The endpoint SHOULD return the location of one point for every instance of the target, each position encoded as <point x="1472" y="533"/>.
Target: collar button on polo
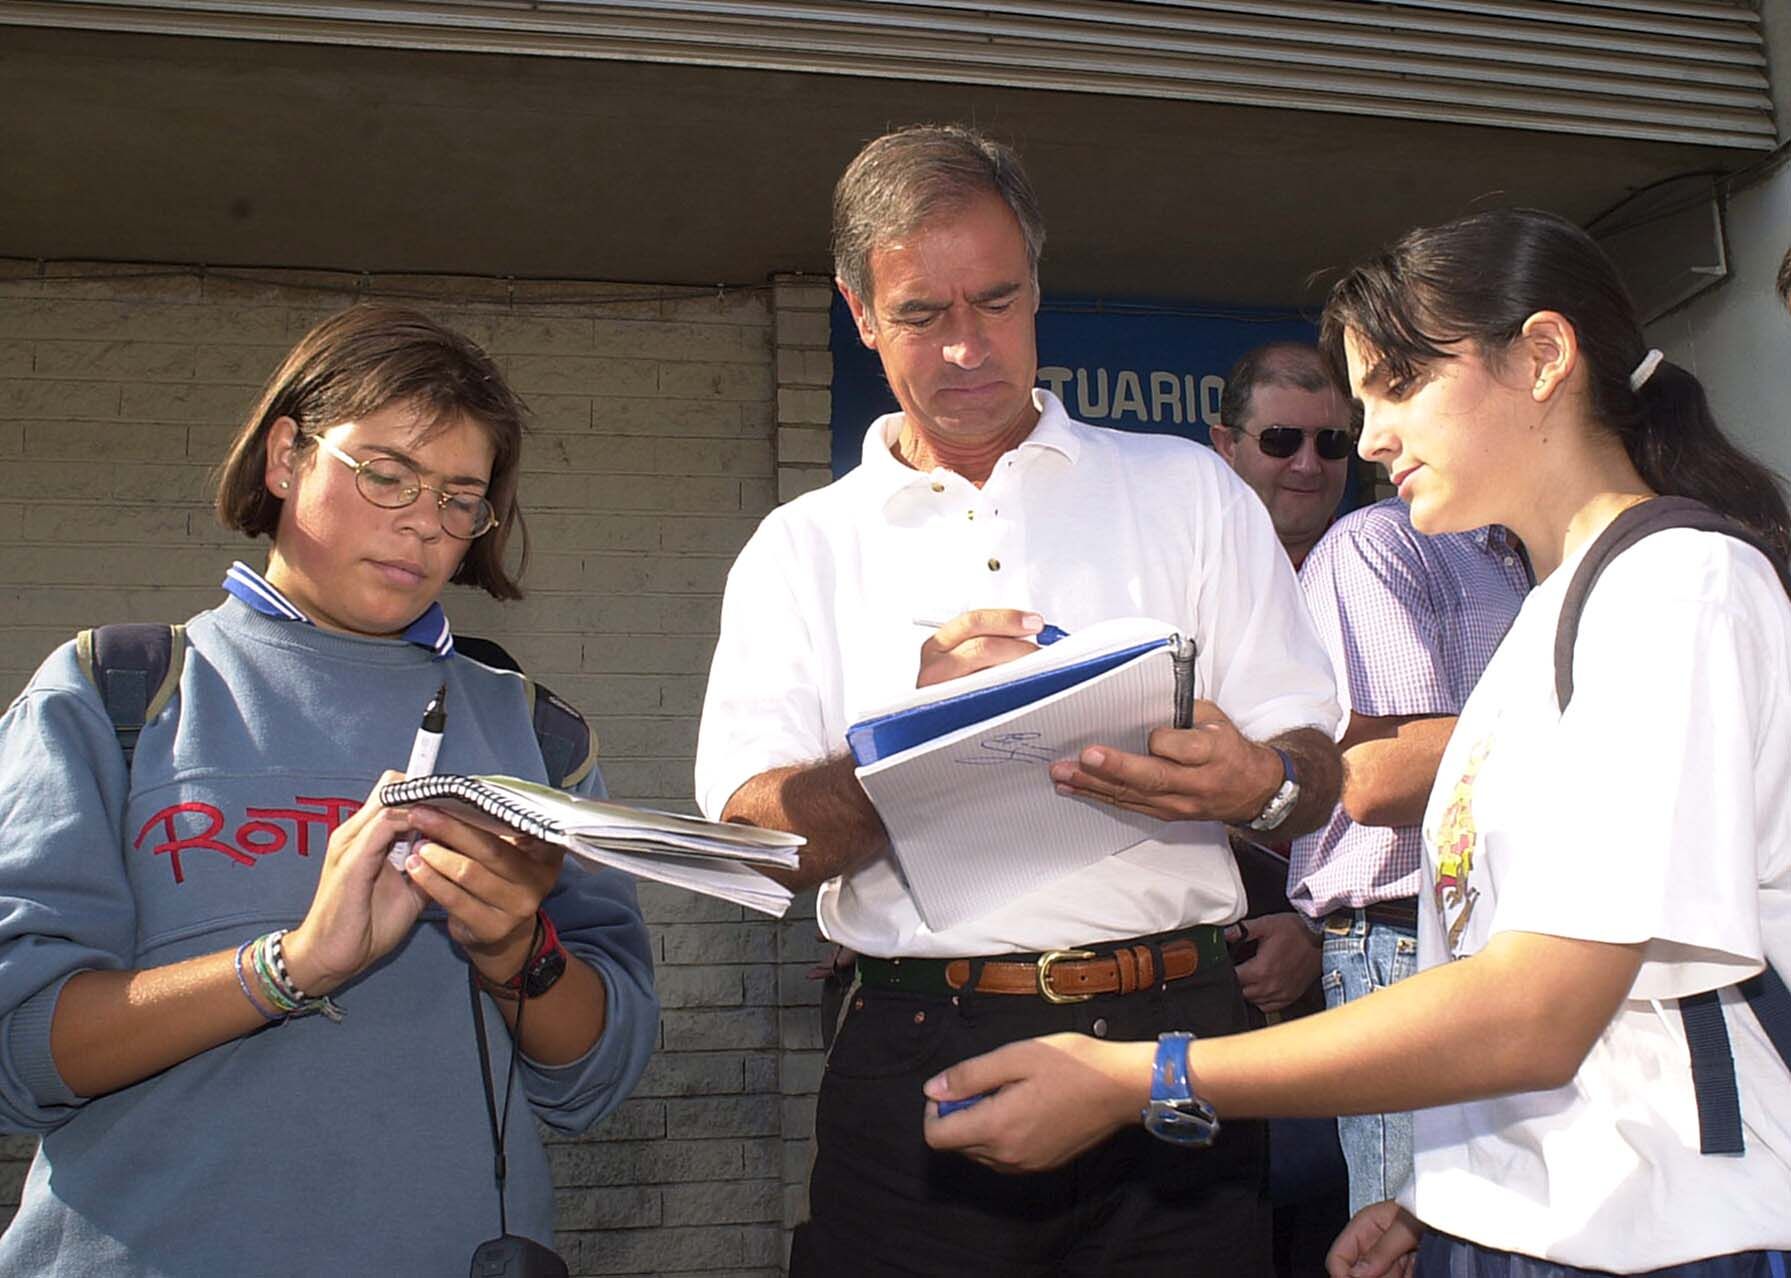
<point x="994" y="565"/>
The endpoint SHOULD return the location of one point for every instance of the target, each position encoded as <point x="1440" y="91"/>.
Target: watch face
<point x="1182" y="1122"/>
<point x="543" y="972"/>
<point x="1275" y="811"/>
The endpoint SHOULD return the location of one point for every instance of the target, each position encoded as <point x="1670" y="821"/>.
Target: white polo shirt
<point x="1079" y="524"/>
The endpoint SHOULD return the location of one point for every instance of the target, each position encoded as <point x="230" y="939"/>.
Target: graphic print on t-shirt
<point x="304" y="823"/>
<point x="1456" y="841"/>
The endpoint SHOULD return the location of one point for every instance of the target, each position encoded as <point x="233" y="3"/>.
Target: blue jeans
<point x="1353" y="964"/>
<point x="1442" y="1256"/>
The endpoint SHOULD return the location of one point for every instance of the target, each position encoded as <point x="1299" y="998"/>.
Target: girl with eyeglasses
<point x="243" y="1031"/>
<point x="1608" y="867"/>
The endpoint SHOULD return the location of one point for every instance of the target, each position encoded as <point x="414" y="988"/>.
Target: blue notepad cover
<point x="878" y="738"/>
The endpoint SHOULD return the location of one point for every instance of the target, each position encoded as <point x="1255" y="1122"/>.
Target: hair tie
<point x="1639" y="376"/>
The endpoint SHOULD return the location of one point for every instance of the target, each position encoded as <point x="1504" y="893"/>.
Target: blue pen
<point x="953" y="1106"/>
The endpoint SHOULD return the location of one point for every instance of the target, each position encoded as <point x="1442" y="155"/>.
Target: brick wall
<point x="656" y="452"/>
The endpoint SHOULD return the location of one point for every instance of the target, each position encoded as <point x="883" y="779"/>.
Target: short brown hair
<point x="357" y="362"/>
<point x="904" y="179"/>
<point x="1300" y="365"/>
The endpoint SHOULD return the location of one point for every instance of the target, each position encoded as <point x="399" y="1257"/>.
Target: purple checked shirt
<point x="1410" y="622"/>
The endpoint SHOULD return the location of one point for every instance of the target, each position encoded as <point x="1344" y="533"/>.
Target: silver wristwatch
<point x="1280" y="803"/>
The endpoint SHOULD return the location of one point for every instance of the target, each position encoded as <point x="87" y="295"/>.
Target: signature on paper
<point x="1008" y="747"/>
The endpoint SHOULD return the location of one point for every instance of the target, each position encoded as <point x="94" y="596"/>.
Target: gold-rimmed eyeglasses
<point x="393" y="485"/>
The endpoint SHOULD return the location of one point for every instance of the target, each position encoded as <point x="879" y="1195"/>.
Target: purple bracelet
<point x="243" y="981"/>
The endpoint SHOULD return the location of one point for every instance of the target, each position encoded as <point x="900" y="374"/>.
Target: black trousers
<point x="883" y="1203"/>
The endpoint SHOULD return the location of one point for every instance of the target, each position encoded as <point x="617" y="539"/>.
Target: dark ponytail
<point x="1678" y="448"/>
<point x="1480" y="278"/>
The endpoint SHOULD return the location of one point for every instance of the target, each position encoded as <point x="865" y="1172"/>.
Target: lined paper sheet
<point x="973" y="816"/>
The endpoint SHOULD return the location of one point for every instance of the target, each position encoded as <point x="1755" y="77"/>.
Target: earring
<point x="285" y="484"/>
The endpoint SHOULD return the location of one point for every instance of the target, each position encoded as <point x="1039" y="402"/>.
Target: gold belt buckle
<point x="1050" y="957"/>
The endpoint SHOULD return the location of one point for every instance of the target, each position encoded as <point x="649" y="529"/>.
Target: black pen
<point x="422" y="760"/>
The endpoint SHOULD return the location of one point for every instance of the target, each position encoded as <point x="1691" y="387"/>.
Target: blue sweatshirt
<point x="304" y="1148"/>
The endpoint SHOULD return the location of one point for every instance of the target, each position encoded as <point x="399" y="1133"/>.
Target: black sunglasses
<point x="1285" y="441"/>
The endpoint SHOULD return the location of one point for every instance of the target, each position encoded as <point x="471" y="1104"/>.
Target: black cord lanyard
<point x="498" y="1126"/>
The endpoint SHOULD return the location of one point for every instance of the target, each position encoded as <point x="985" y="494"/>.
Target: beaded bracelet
<point x="243" y="981"/>
<point x="270" y="986"/>
<point x="272" y="951"/>
<point x="269" y="963"/>
<point x="276" y="957"/>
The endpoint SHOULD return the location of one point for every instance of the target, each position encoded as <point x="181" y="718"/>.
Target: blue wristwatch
<point x="1175" y="1113"/>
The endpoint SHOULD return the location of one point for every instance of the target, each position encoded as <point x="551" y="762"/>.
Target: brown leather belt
<point x="1057" y="976"/>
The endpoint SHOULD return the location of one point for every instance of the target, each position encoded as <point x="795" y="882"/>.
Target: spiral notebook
<point x="718" y="859"/>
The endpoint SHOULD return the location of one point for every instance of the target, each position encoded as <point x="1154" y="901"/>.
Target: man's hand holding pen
<point x="1210" y="772"/>
<point x="978" y="639"/>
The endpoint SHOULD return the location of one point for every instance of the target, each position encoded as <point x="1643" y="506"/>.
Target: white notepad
<point x="715" y="858"/>
<point x="973" y="816"/>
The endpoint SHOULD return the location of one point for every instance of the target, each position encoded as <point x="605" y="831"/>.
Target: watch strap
<point x="1169" y="1071"/>
<point x="1280" y="803"/>
<point x="546" y="944"/>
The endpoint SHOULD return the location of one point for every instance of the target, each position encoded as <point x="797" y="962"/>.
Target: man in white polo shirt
<point x="983" y="503"/>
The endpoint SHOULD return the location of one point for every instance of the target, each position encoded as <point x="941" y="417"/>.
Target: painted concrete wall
<point x="1737" y="337"/>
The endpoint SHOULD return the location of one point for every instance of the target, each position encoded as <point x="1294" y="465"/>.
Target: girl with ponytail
<point x="1490" y="286"/>
<point x="1594" y="873"/>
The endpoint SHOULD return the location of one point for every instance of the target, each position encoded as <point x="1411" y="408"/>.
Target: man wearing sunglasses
<point x="1286" y="430"/>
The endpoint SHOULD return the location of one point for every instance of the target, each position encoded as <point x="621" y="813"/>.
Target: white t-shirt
<point x="1078" y="523"/>
<point x="1656" y="811"/>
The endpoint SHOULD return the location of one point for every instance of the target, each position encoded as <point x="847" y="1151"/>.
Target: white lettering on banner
<point x="1166" y="397"/>
<point x="1128" y="396"/>
<point x="1054" y="378"/>
<point x="1086" y="406"/>
<point x="1212" y="386"/>
<point x="1175" y="398"/>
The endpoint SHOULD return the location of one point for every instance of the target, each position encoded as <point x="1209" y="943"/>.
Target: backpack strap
<point x="1641" y="520"/>
<point x="568" y="746"/>
<point x="1713" y="1064"/>
<point x="1706" y="1033"/>
<point x="1713" y="1073"/>
<point x="487" y="652"/>
<point x="1771" y="1001"/>
<point x="136" y="668"/>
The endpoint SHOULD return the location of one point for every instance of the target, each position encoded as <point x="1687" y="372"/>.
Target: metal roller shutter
<point x="1689" y="71"/>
